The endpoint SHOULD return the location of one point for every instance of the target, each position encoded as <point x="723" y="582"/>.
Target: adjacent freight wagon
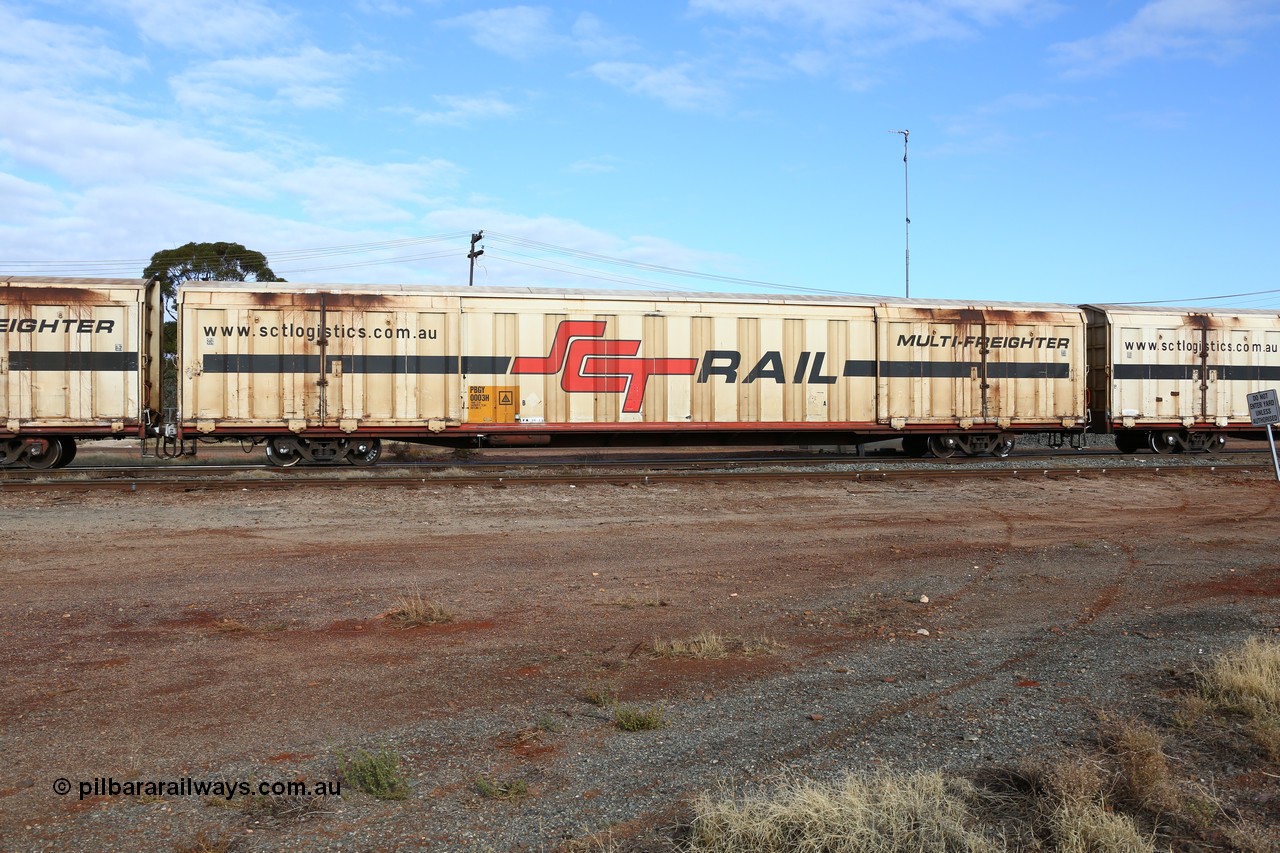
<point x="1172" y="379"/>
<point x="325" y="373"/>
<point x="79" y="358"/>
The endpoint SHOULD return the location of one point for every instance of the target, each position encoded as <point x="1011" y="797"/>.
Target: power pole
<point x="473" y="254"/>
<point x="906" y="204"/>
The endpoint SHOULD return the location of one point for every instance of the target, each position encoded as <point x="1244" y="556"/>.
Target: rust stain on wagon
<point x="1207" y="322"/>
<point x="314" y="301"/>
<point x="29" y="296"/>
<point x="979" y="316"/>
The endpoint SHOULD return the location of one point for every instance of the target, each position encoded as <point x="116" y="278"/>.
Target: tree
<point x="198" y="262"/>
<point x="206" y="262"/>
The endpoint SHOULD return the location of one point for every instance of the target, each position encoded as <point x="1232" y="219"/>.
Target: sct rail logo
<point x="592" y="364"/>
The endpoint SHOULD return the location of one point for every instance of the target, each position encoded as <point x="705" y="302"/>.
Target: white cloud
<point x="591" y="36"/>
<point x="384" y="7"/>
<point x="985" y="128"/>
<point x="841" y="40"/>
<point x="36" y="54"/>
<point x="339" y="190"/>
<point x="207" y="26"/>
<point x="84" y="145"/>
<point x="879" y="24"/>
<point x="463" y="109"/>
<point x="1214" y="30"/>
<point x="522" y="32"/>
<point x="307" y="78"/>
<point x="674" y="85"/>
<point x="519" y="32"/>
<point x="24" y="199"/>
<point x="518" y="268"/>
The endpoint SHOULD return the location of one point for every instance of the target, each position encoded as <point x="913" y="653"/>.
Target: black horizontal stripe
<point x="859" y="368"/>
<point x="1228" y="372"/>
<point x="407" y="365"/>
<point x="967" y="369"/>
<point x="59" y="360"/>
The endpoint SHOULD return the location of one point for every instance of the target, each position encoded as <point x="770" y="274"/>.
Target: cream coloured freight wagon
<point x="325" y="372"/>
<point x="79" y="358"/>
<point x="1174" y="379"/>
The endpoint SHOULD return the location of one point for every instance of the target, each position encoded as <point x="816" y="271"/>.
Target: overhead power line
<point x="1205" y="298"/>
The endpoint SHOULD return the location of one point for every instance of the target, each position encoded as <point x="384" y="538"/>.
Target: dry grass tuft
<point x="1142" y="778"/>
<point x="761" y="645"/>
<point x="600" y="695"/>
<point x="412" y="610"/>
<point x="705" y="645"/>
<point x="1083" y="826"/>
<point x="206" y="843"/>
<point x="883" y="814"/>
<point x="231" y="626"/>
<point x="1247" y="680"/>
<point x="501" y="789"/>
<point x="709" y="645"/>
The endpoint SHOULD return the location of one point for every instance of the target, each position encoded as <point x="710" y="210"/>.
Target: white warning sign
<point x="1264" y="408"/>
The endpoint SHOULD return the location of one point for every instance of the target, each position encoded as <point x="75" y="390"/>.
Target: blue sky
<point x="1075" y="152"/>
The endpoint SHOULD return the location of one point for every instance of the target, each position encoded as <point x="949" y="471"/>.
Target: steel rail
<point x="606" y="478"/>
<point x="689" y="462"/>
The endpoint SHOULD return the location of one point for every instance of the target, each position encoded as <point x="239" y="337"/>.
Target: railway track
<point x="629" y="471"/>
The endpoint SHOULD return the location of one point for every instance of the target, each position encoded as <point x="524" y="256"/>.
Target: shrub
<point x="375" y="773"/>
<point x="630" y="718"/>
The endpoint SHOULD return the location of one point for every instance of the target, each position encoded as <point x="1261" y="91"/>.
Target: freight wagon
<point x="1172" y="379"/>
<point x="325" y="373"/>
<point x="79" y="358"/>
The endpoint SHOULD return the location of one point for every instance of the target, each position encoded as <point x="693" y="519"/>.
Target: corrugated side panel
<point x="602" y="361"/>
<point x="321" y="359"/>
<point x="71" y="356"/>
<point x="974" y="366"/>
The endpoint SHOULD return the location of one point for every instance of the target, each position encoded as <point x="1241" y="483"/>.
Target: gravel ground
<point x="159" y="635"/>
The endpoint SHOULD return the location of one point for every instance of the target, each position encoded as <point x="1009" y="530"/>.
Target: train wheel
<point x="1216" y="442"/>
<point x="1165" y="442"/>
<point x="365" y="452"/>
<point x="943" y="446"/>
<point x="1128" y="441"/>
<point x="68" y="452"/>
<point x="10" y="452"/>
<point x="1003" y="446"/>
<point x="283" y="452"/>
<point x="40" y="459"/>
<point x="915" y="445"/>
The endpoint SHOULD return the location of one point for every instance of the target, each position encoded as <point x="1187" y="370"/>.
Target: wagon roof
<point x="1176" y="309"/>
<point x="618" y="295"/>
<point x="67" y="281"/>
